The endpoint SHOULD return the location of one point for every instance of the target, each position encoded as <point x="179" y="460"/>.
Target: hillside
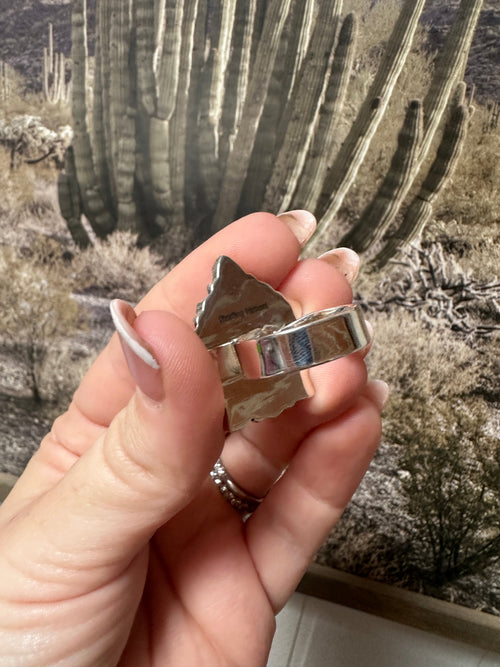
<point x="23" y="34"/>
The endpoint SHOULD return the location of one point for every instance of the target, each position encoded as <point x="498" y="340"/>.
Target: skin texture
<point x="116" y="547"/>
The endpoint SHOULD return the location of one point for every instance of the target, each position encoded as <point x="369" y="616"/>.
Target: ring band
<point x="242" y="501"/>
<point x="309" y="341"/>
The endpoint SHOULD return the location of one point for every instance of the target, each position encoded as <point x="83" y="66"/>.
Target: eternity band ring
<point x="242" y="501"/>
<point x="314" y="339"/>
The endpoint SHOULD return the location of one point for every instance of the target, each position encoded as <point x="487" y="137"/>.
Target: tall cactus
<point x="70" y="202"/>
<point x="207" y="109"/>
<point x="450" y="64"/>
<point x="420" y="209"/>
<point x="392" y="190"/>
<point x="357" y="142"/>
<point x="239" y="158"/>
<point x="5" y="84"/>
<point x="319" y="159"/>
<point x="55" y="88"/>
<point x="301" y="109"/>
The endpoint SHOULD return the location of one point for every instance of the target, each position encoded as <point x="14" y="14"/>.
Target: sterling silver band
<point x="242" y="501"/>
<point x="309" y="341"/>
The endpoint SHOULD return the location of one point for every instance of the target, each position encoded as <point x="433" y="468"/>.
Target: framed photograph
<point x="402" y="606"/>
<point x="380" y="116"/>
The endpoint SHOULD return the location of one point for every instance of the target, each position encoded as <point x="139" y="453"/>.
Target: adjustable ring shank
<point x="309" y="341"/>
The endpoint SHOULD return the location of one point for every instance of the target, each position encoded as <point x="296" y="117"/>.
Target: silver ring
<point x="242" y="501"/>
<point x="309" y="341"/>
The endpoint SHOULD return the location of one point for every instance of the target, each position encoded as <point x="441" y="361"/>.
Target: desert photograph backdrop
<point x="131" y="131"/>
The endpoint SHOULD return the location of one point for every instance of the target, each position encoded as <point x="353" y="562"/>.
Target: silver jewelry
<point x="309" y="341"/>
<point x="242" y="501"/>
<point x="260" y="348"/>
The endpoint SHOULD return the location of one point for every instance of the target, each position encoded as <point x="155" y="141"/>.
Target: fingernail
<point x="140" y="359"/>
<point x="379" y="391"/>
<point x="301" y="223"/>
<point x="344" y="260"/>
<point x="369" y="329"/>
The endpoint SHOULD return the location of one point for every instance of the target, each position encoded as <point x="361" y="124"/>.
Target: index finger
<point x="261" y="243"/>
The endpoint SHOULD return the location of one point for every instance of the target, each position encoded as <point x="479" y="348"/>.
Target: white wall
<point x="315" y="633"/>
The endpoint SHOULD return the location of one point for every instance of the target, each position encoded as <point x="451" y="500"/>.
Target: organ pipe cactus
<point x="206" y="109"/>
<point x="4" y="81"/>
<point x="420" y="209"/>
<point x="321" y="148"/>
<point x="353" y="151"/>
<point x="413" y="149"/>
<point x="391" y="192"/>
<point x="55" y="87"/>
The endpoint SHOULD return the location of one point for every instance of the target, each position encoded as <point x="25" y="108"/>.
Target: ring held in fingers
<point x="251" y="330"/>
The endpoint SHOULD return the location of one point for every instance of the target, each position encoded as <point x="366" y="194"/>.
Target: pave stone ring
<point x="242" y="501"/>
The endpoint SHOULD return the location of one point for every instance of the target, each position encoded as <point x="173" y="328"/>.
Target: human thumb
<point x="148" y="464"/>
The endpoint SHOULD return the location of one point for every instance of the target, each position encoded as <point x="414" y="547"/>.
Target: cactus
<point x="205" y="110"/>
<point x="69" y="202"/>
<point x="382" y="211"/>
<point x="420" y="209"/>
<point x="391" y="193"/>
<point x="94" y="206"/>
<point x="319" y="158"/>
<point x="238" y="160"/>
<point x="301" y="109"/>
<point x="357" y="142"/>
<point x="491" y="122"/>
<point x="55" y="88"/>
<point x="5" y="84"/>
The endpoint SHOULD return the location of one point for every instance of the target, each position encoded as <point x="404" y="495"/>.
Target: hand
<point x="116" y="546"/>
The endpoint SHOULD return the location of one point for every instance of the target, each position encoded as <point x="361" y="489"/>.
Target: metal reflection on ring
<point x="309" y="341"/>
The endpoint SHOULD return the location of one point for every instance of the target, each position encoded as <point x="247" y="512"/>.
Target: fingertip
<point x="378" y="392"/>
<point x="140" y="358"/>
<point x="301" y="223"/>
<point x="344" y="260"/>
<point x="370" y="330"/>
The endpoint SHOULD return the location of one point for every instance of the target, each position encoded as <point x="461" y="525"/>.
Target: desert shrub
<point x="36" y="307"/>
<point x="447" y="471"/>
<point x="366" y="547"/>
<point x="473" y="194"/>
<point x="29" y="207"/>
<point x="117" y="267"/>
<point x="475" y="243"/>
<point x="12" y="90"/>
<point x="417" y="361"/>
<point x="19" y="98"/>
<point x="452" y="488"/>
<point x="430" y="282"/>
<point x="28" y="140"/>
<point x="17" y="186"/>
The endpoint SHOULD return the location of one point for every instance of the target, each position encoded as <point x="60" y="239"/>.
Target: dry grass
<point x="17" y="186"/>
<point x="35" y="302"/>
<point x="19" y="101"/>
<point x="417" y="361"/>
<point x="37" y="314"/>
<point x="474" y="191"/>
<point x="29" y="206"/>
<point x="117" y="267"/>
